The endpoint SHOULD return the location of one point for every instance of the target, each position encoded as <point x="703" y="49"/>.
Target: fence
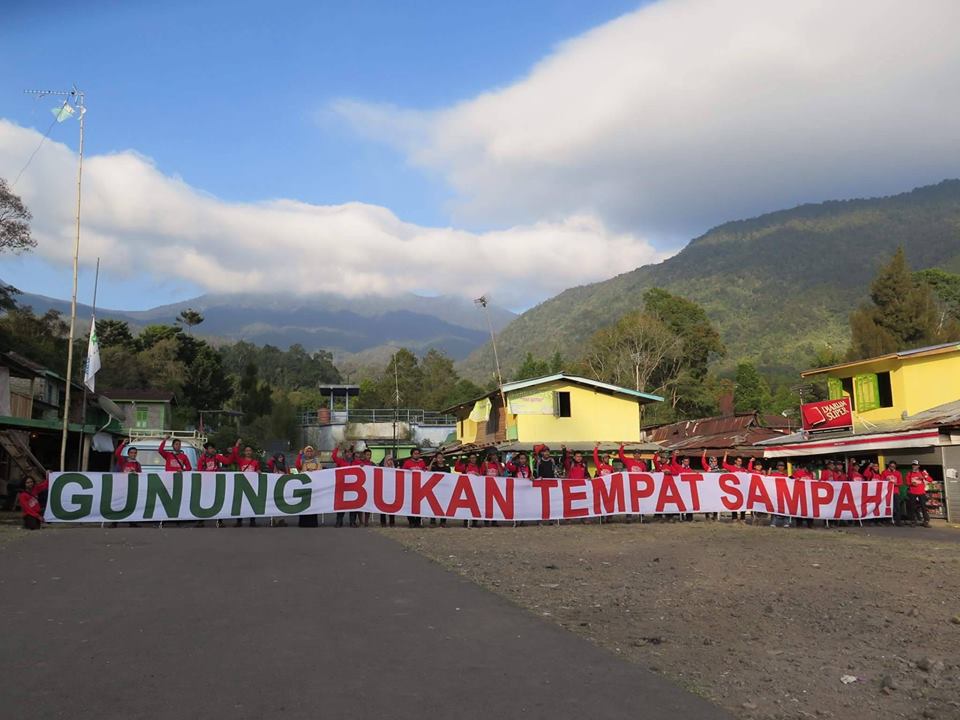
<point x="377" y="415"/>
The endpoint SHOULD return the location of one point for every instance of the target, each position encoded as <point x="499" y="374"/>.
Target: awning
<point x="876" y="442"/>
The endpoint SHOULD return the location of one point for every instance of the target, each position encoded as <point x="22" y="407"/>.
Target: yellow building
<point x="897" y="385"/>
<point x="556" y="410"/>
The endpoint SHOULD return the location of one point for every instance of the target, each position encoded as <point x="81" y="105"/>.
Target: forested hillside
<point x="776" y="286"/>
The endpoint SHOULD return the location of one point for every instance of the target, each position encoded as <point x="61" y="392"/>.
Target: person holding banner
<point x="546" y="467"/>
<point x="631" y="464"/>
<point x="414" y="462"/>
<point x="710" y="465"/>
<point x="348" y="461"/>
<point x="892" y="475"/>
<point x="387" y="462"/>
<point x="30" y="504"/>
<point x="211" y="461"/>
<point x="175" y="461"/>
<point x="247" y="463"/>
<point x="779" y="471"/>
<point x="735" y="467"/>
<point x="600" y="462"/>
<point x="307" y="461"/>
<point x="365" y="460"/>
<point x="574" y="466"/>
<point x="438" y="463"/>
<point x="468" y="466"/>
<point x="126" y="463"/>
<point x="519" y="466"/>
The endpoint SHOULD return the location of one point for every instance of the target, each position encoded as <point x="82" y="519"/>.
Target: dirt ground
<point x="769" y="623"/>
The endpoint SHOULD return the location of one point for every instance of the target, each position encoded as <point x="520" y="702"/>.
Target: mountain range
<point x="345" y="326"/>
<point x="776" y="286"/>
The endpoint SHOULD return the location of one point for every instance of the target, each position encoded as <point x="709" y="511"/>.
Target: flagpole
<point x="73" y="300"/>
<point x="83" y="406"/>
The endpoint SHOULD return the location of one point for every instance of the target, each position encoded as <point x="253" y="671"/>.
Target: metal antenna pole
<point x="77" y="96"/>
<point x="482" y="302"/>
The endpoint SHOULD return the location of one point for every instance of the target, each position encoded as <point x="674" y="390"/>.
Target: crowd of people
<point x="910" y="506"/>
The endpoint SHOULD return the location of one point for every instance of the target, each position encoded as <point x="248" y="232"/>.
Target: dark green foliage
<point x="532" y="368"/>
<point x="42" y="339"/>
<point x="751" y="392"/>
<point x="255" y="397"/>
<point x="293" y="369"/>
<point x="189" y="317"/>
<point x="903" y="314"/>
<point x="429" y="383"/>
<point x="946" y="288"/>
<point x="115" y="333"/>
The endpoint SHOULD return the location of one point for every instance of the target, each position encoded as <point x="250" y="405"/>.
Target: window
<point x="143" y="417"/>
<point x="846" y="386"/>
<point x="884" y="390"/>
<point x="563" y="404"/>
<point x="873" y="391"/>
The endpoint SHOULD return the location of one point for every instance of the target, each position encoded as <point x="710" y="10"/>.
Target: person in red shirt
<point x="916" y="482"/>
<point x="468" y="465"/>
<point x="600" y="462"/>
<point x="632" y="464"/>
<point x="247" y="462"/>
<point x="826" y="473"/>
<point x="211" y="461"/>
<point x="365" y="460"/>
<point x="892" y="475"/>
<point x="175" y="461"/>
<point x="414" y="462"/>
<point x="387" y="462"/>
<point x="349" y="461"/>
<point x="574" y="466"/>
<point x="853" y="471"/>
<point x="491" y="466"/>
<point x="800" y="472"/>
<point x="709" y="465"/>
<point x="735" y="467"/>
<point x="30" y="504"/>
<point x="126" y="463"/>
<point x="780" y="470"/>
<point x="519" y="466"/>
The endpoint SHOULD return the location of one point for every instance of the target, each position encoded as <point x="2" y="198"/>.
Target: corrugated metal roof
<point x="729" y="432"/>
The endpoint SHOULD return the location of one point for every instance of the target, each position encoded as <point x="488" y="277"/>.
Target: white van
<point x="147" y="443"/>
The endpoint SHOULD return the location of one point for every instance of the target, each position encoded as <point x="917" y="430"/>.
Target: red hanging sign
<point x="827" y="414"/>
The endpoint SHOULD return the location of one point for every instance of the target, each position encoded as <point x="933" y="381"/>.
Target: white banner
<point x="98" y="497"/>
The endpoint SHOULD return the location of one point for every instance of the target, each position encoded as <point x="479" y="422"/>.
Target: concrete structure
<point x="896" y="385"/>
<point x="144" y="409"/>
<point x="555" y="410"/>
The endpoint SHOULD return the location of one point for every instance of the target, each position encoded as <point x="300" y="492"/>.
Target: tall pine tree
<point x="903" y="314"/>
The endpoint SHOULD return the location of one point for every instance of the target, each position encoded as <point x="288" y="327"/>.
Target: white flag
<point x="93" y="357"/>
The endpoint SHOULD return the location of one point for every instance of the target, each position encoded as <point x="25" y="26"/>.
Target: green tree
<point x="152" y="334"/>
<point x="162" y="365"/>
<point x="14" y="222"/>
<point x="532" y="367"/>
<point x="189" y="317"/>
<point x="751" y="391"/>
<point x="946" y="288"/>
<point x="255" y="396"/>
<point x="633" y="350"/>
<point x="206" y="386"/>
<point x="902" y="315"/>
<point x="121" y="368"/>
<point x="284" y="421"/>
<point x="42" y="339"/>
<point x="115" y="333"/>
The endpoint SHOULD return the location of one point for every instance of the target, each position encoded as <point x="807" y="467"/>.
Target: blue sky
<point x="230" y="96"/>
<point x="511" y="149"/>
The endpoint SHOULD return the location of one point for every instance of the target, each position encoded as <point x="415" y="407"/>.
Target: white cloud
<point x="142" y="222"/>
<point x="687" y="113"/>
